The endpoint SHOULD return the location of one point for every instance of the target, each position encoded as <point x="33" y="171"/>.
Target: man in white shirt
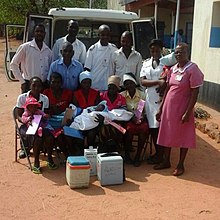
<point x="99" y="59"/>
<point x="32" y="58"/>
<point x="78" y="46"/>
<point x="126" y="59"/>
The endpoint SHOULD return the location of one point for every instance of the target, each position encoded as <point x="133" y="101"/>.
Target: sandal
<point x="161" y="166"/>
<point x="178" y="171"/>
<point x="52" y="166"/>
<point x="36" y="170"/>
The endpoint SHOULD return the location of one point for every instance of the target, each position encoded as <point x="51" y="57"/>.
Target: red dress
<point x="63" y="102"/>
<point x="83" y="103"/>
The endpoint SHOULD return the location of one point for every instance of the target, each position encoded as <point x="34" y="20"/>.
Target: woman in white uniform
<point x="150" y="74"/>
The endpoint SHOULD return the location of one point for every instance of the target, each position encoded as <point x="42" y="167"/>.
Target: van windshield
<point x="88" y="31"/>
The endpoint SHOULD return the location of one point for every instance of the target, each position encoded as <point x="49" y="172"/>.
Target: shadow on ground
<point x="202" y="165"/>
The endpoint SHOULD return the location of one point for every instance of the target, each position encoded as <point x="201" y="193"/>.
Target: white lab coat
<point x="152" y="97"/>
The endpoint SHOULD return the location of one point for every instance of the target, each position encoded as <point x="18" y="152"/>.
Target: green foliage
<point x="15" y="11"/>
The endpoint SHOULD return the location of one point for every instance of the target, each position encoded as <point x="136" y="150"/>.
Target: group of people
<point x="161" y="106"/>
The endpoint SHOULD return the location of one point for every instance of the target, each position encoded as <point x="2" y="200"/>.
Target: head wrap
<point x="84" y="75"/>
<point x="114" y="80"/>
<point x="128" y="77"/>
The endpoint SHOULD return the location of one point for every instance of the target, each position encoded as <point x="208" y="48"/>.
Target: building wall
<point x="114" y="4"/>
<point x="206" y="48"/>
<point x="165" y="15"/>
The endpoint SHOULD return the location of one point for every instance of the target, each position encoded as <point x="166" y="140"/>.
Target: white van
<point x="89" y="21"/>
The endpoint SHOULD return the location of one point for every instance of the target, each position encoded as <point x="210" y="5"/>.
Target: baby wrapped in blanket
<point x="88" y="118"/>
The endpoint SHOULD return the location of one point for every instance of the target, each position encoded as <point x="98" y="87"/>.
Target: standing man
<point x="32" y="58"/>
<point x="78" y="46"/>
<point x="68" y="67"/>
<point x="99" y="59"/>
<point x="126" y="59"/>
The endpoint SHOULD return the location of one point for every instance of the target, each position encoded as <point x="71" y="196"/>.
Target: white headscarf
<point x="84" y="75"/>
<point x="128" y="77"/>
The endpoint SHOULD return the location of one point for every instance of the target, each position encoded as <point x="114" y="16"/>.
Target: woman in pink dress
<point x="176" y="116"/>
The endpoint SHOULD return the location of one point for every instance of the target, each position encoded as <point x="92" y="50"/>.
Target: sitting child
<point x="32" y="108"/>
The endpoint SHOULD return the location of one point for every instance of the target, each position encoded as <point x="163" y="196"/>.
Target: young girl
<point x="32" y="108"/>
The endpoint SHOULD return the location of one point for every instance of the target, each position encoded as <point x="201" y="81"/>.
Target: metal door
<point x="14" y="36"/>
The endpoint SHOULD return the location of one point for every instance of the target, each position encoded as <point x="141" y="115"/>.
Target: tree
<point x="15" y="11"/>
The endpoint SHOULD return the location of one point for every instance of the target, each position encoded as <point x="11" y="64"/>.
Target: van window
<point x="88" y="31"/>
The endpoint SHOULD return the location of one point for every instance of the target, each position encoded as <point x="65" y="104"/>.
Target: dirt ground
<point x="146" y="194"/>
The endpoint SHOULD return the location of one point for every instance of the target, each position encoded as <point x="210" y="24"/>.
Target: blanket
<point x="87" y="120"/>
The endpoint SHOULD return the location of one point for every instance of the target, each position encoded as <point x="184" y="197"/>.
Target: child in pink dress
<point x="32" y="108"/>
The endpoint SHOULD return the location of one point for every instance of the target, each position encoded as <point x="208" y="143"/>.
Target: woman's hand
<point x="136" y="121"/>
<point x="185" y="117"/>
<point x="68" y="122"/>
<point x="46" y="116"/>
<point x="29" y="121"/>
<point x="161" y="83"/>
<point x="100" y="119"/>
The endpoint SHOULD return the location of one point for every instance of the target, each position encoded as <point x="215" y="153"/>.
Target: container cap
<point x="77" y="160"/>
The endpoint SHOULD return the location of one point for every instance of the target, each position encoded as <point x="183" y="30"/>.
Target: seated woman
<point x="137" y="125"/>
<point x="59" y="100"/>
<point x="114" y="100"/>
<point x="47" y="139"/>
<point x="85" y="97"/>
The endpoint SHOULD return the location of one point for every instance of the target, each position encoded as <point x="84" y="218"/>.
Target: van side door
<point x="14" y="36"/>
<point x="143" y="32"/>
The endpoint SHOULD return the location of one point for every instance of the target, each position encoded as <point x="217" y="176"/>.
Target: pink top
<point x="120" y="101"/>
<point x="27" y="114"/>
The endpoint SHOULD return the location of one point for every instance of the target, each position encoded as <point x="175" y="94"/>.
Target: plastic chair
<point x="18" y="137"/>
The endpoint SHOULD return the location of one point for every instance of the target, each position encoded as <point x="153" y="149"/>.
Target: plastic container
<point x="91" y="155"/>
<point x="110" y="168"/>
<point x="77" y="172"/>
